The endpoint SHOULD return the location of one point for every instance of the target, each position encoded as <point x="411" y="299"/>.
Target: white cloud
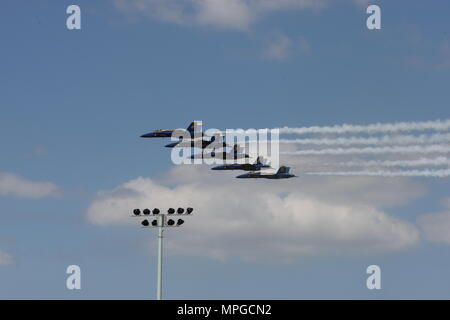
<point x="11" y="184"/>
<point x="5" y="258"/>
<point x="257" y="219"/>
<point x="233" y="14"/>
<point x="435" y="226"/>
<point x="228" y="14"/>
<point x="166" y="10"/>
<point x="280" y="46"/>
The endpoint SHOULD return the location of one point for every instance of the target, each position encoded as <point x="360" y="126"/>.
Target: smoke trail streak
<point x="411" y="173"/>
<point x="383" y="140"/>
<point x="423" y="162"/>
<point x="437" y="125"/>
<point x="374" y="150"/>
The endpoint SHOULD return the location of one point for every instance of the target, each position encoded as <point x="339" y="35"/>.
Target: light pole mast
<point x="160" y="257"/>
<point x="161" y="221"/>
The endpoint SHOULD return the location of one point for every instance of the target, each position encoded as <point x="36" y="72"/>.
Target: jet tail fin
<point x="283" y="169"/>
<point x="259" y="160"/>
<point x="194" y="124"/>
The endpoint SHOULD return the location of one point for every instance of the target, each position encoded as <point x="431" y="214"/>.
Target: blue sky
<point x="73" y="104"/>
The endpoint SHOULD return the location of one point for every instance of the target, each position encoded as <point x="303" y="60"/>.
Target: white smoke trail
<point x="423" y="162"/>
<point x="411" y="173"/>
<point x="374" y="150"/>
<point x="383" y="140"/>
<point x="437" y="125"/>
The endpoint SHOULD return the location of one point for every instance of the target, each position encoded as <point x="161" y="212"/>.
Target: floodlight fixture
<point x="161" y="221"/>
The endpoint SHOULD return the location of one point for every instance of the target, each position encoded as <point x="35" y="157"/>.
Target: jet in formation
<point x="258" y="165"/>
<point x="234" y="154"/>
<point x="199" y="143"/>
<point x="282" y="173"/>
<point x="163" y="133"/>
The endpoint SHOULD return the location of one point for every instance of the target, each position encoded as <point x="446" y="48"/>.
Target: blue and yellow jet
<point x="258" y="165"/>
<point x="162" y="133"/>
<point x="282" y="173"/>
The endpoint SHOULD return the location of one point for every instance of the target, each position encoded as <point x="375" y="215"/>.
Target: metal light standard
<point x="161" y="221"/>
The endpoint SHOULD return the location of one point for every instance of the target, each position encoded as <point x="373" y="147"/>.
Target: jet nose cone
<point x="171" y="145"/>
<point x="216" y="168"/>
<point x="241" y="176"/>
<point x="147" y="135"/>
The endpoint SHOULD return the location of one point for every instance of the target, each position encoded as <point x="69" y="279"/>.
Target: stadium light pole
<point x="161" y="222"/>
<point x="160" y="257"/>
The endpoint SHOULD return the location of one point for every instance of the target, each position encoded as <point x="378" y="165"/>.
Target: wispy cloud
<point x="6" y="258"/>
<point x="279" y="46"/>
<point x="11" y="184"/>
<point x="435" y="226"/>
<point x="230" y="14"/>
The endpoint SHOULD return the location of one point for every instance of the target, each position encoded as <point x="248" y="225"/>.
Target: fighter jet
<point x="258" y="165"/>
<point x="230" y="155"/>
<point x="282" y="173"/>
<point x="198" y="143"/>
<point x="162" y="133"/>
